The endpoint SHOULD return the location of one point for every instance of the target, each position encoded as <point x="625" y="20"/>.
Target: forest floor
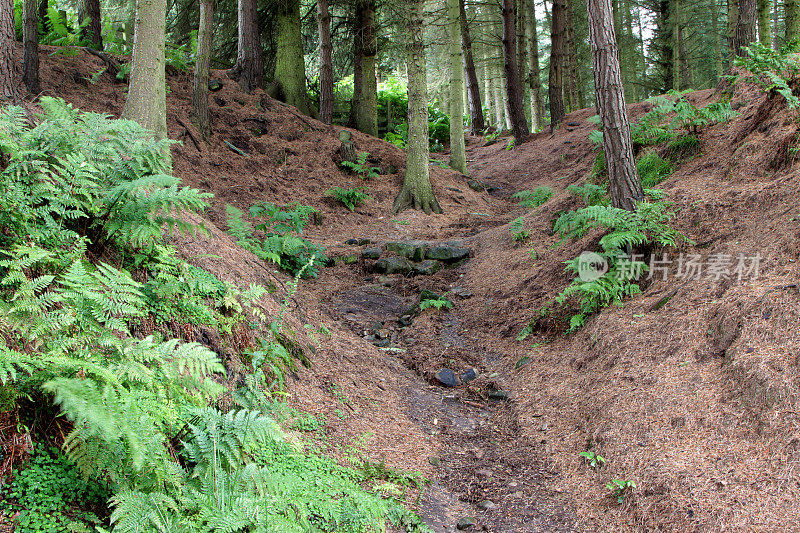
<point x="690" y="389"/>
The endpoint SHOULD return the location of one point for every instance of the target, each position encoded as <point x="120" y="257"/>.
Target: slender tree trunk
<point x="625" y="186"/>
<point x="249" y="68"/>
<point x="534" y="82"/>
<point x="325" y="62"/>
<point x="557" y="50"/>
<point x="476" y="121"/>
<point x="745" y="26"/>
<point x="364" y="108"/>
<point x="417" y="191"/>
<point x="30" y="46"/>
<point x="205" y="35"/>
<point x="792" y="14"/>
<point x="776" y="38"/>
<point x="733" y="17"/>
<point x="516" y="111"/>
<point x="458" y="157"/>
<point x="147" y="98"/>
<point x="487" y="89"/>
<point x="522" y="53"/>
<point x="573" y="100"/>
<point x="499" y="101"/>
<point x="717" y="39"/>
<point x="92" y="32"/>
<point x="676" y="45"/>
<point x="290" y="67"/>
<point x="8" y="89"/>
<point x="764" y="33"/>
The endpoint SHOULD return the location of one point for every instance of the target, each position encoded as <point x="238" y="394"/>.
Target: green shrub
<point x="590" y="193"/>
<point x="652" y="169"/>
<point x="283" y="243"/>
<point x="351" y="198"/>
<point x="361" y="167"/>
<point x="534" y="198"/>
<point x="683" y="147"/>
<point x="518" y="233"/>
<point x="435" y="303"/>
<point x="772" y="69"/>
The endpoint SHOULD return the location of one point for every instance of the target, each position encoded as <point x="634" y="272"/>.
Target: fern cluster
<point x="283" y="243"/>
<point x="772" y="69"/>
<point x="533" y="198"/>
<point x="626" y="230"/>
<point x="350" y="198"/>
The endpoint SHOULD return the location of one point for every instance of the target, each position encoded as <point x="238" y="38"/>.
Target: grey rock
<point x="484" y="472"/>
<point x="447" y="378"/>
<point x="465" y="523"/>
<point x="405" y="321"/>
<point x="364" y="242"/>
<point x="381" y="343"/>
<point x="427" y="267"/>
<point x="475" y="185"/>
<point x="468" y="375"/>
<point x="350" y="259"/>
<point x="461" y="292"/>
<point x="487" y="505"/>
<point x="351" y="242"/>
<point x="371" y="253"/>
<point x="498" y="394"/>
<point x="414" y="250"/>
<point x="448" y="252"/>
<point x="392" y="265"/>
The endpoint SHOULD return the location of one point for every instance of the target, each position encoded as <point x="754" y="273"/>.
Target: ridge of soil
<point x="694" y="399"/>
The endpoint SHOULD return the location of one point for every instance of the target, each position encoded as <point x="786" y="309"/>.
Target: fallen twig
<point x="191" y="136"/>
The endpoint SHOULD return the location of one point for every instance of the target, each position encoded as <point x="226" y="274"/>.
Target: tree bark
<point x="325" y="62"/>
<point x="476" y="121"/>
<point x="764" y="22"/>
<point x="8" y="89"/>
<point x="792" y="10"/>
<point x="676" y="45"/>
<point x="458" y="156"/>
<point x="417" y="191"/>
<point x="573" y="98"/>
<point x="625" y="186"/>
<point x="364" y="112"/>
<point x="717" y="38"/>
<point x="745" y="26"/>
<point x="733" y="17"/>
<point x="205" y="35"/>
<point x="533" y="67"/>
<point x="30" y="46"/>
<point x="555" y="86"/>
<point x="290" y="67"/>
<point x="249" y="68"/>
<point x="516" y="111"/>
<point x="92" y="31"/>
<point x="147" y="99"/>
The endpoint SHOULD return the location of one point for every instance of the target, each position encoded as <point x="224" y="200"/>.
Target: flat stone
<point x="405" y="321"/>
<point x="447" y="378"/>
<point x="364" y="242"/>
<point x="350" y="259"/>
<point x="392" y="265"/>
<point x="475" y="185"/>
<point x="448" y="252"/>
<point x="465" y="523"/>
<point x="381" y="343"/>
<point x="371" y="253"/>
<point x="461" y="292"/>
<point x="427" y="267"/>
<point x="468" y="375"/>
<point x="498" y="394"/>
<point x="351" y="242"/>
<point x="487" y="505"/>
<point x="484" y="472"/>
<point x="414" y="250"/>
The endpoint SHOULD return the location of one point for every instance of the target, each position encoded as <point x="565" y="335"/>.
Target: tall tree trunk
<point x="533" y="67"/>
<point x="676" y="45"/>
<point x="745" y="26"/>
<point x="43" y="6"/>
<point x="249" y="68"/>
<point x="792" y="13"/>
<point x="476" y="121"/>
<point x="89" y="14"/>
<point x="364" y="108"/>
<point x="717" y="39"/>
<point x="776" y="38"/>
<point x="205" y="35"/>
<point x="522" y="53"/>
<point x="487" y="89"/>
<point x="30" y="46"/>
<point x="499" y="101"/>
<point x="325" y="62"/>
<point x="764" y="33"/>
<point x="625" y="186"/>
<point x="147" y="97"/>
<point x="733" y="18"/>
<point x="458" y="156"/>
<point x="290" y="67"/>
<point x="417" y="191"/>
<point x="516" y="111"/>
<point x="558" y="35"/>
<point x="8" y="89"/>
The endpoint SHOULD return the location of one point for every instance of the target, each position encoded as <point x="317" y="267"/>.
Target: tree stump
<point x="347" y="150"/>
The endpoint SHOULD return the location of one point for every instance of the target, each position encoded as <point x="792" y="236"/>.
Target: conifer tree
<point x="458" y="158"/>
<point x="8" y="89"/>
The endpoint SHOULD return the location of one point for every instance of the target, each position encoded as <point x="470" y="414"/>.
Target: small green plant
<point x="510" y="144"/>
<point x="435" y="303"/>
<point x="351" y="198"/>
<point x="590" y="193"/>
<point x="652" y="169"/>
<point x="534" y="198"/>
<point x="683" y="147"/>
<point x="518" y="233"/>
<point x="772" y="69"/>
<point x="361" y="167"/>
<point x="491" y="137"/>
<point x="620" y="488"/>
<point x="592" y="459"/>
